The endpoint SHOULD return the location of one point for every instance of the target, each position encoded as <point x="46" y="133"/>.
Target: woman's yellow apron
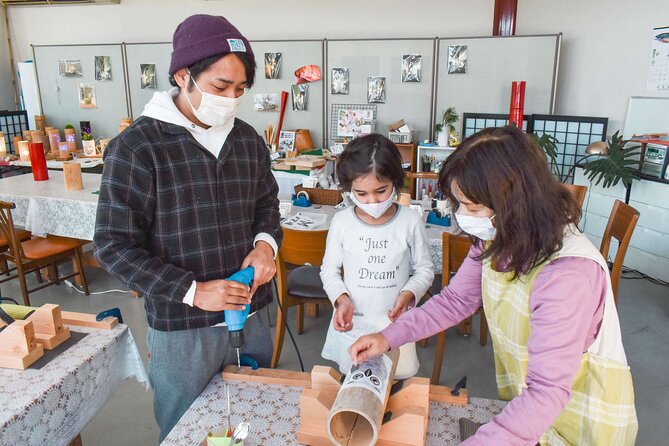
<point x="601" y="410"/>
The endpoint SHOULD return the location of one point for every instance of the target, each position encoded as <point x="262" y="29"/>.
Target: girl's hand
<point x="368" y="346"/>
<point x="343" y="318"/>
<point x="403" y="303"/>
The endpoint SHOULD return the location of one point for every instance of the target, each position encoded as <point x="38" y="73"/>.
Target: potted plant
<point x="444" y="128"/>
<point x="616" y="161"/>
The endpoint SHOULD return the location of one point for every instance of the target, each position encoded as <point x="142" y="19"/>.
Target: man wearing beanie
<point x="187" y="198"/>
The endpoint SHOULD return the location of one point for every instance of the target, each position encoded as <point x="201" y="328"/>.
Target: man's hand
<point x="219" y="295"/>
<point x="367" y="347"/>
<point x="403" y="303"/>
<point x="343" y="318"/>
<point x="261" y="258"/>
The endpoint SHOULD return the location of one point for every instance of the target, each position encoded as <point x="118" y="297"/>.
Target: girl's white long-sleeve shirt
<point x="378" y="261"/>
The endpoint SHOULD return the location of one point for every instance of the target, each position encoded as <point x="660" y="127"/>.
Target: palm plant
<point x="448" y="118"/>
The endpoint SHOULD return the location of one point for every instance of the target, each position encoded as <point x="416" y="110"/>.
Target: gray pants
<point x="183" y="362"/>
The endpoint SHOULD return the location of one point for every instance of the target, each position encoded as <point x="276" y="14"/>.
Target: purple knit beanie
<point x="201" y="36"/>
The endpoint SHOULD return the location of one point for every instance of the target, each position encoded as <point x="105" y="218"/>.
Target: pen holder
<point x="433" y="218"/>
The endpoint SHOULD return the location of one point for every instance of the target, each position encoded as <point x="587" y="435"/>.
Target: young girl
<point x="547" y="296"/>
<point x="382" y="248"/>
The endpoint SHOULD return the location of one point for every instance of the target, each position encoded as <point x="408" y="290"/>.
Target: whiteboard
<point x="492" y="64"/>
<point x="411" y="101"/>
<point x="646" y="115"/>
<point x="146" y="53"/>
<point x="59" y="96"/>
<point x="294" y="54"/>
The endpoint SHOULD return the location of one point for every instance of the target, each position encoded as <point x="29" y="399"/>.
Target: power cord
<point x="290" y="333"/>
<point x="76" y="288"/>
<point x="639" y="275"/>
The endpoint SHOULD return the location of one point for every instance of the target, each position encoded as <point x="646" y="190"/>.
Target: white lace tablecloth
<point x="46" y="207"/>
<point x="274" y="414"/>
<point x="51" y="405"/>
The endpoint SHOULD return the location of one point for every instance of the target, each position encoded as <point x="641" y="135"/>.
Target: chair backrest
<point x="302" y="247"/>
<point x="454" y="250"/>
<point x="579" y="192"/>
<point x="7" y="231"/>
<point x="622" y="221"/>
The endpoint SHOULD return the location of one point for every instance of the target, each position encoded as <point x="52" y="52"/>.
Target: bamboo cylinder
<point x="40" y="122"/>
<point x="357" y="413"/>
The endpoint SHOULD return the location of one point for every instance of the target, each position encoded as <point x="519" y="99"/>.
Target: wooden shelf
<point x="424" y="175"/>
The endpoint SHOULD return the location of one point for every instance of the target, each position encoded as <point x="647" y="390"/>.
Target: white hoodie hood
<point x="162" y="107"/>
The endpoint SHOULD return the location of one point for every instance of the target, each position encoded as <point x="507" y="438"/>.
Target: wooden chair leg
<point x="484" y="330"/>
<point x="438" y="358"/>
<point x="466" y="327"/>
<point x="76" y="441"/>
<point x="24" y="287"/>
<point x="38" y="275"/>
<point x="312" y="311"/>
<point x="4" y="268"/>
<point x="80" y="269"/>
<point x="278" y="335"/>
<point x="423" y="342"/>
<point x="52" y="273"/>
<point x="300" y="319"/>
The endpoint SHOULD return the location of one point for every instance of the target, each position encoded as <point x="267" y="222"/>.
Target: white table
<point x="46" y="207"/>
<point x="51" y="405"/>
<point x="274" y="414"/>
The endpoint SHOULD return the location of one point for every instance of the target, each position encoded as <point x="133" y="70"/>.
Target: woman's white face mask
<point x="374" y="210"/>
<point x="214" y="110"/>
<point x="480" y="227"/>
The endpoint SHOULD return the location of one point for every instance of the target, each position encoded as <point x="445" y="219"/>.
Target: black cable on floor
<point x="285" y="316"/>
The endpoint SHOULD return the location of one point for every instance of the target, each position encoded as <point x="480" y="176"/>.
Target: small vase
<point x="442" y="138"/>
<point x="427" y="167"/>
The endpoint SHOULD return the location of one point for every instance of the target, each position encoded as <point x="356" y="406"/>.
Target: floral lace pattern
<point x="46" y="207"/>
<point x="51" y="405"/>
<point x="274" y="414"/>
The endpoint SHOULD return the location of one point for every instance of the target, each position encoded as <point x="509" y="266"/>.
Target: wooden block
<point x="325" y="378"/>
<point x="48" y="324"/>
<point x="415" y="393"/>
<point x="268" y="376"/>
<point x="313" y="436"/>
<point x="72" y="175"/>
<point x="283" y="166"/>
<point x="307" y="161"/>
<point x="18" y="346"/>
<point x="402" y="429"/>
<point x="442" y="394"/>
<point x="88" y="320"/>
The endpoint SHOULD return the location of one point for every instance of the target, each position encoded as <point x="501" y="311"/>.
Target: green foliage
<point x="548" y="144"/>
<point x="69" y="126"/>
<point x="448" y="118"/>
<point x="622" y="164"/>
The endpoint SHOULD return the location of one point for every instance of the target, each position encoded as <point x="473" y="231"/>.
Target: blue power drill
<point x="235" y="319"/>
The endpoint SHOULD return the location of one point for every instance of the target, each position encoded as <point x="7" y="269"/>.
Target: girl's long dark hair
<point x="373" y="153"/>
<point x="506" y="171"/>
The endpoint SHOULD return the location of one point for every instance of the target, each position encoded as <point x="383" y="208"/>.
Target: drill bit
<point x="239" y="362"/>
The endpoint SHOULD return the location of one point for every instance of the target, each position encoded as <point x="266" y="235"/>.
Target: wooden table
<point x="273" y="410"/>
<point x="51" y="405"/>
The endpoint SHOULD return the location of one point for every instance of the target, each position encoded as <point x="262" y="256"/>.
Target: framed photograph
<point x="286" y="141"/>
<point x="457" y="59"/>
<point x="300" y="96"/>
<point x="70" y="68"/>
<point x="265" y="102"/>
<point x="339" y="81"/>
<point x="103" y="68"/>
<point x="147" y="76"/>
<point x="272" y="65"/>
<point x="87" y="96"/>
<point x="354" y="122"/>
<point x="412" y="67"/>
<point x="376" y="89"/>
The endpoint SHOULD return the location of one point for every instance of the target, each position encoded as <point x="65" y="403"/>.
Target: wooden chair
<point x="454" y="251"/>
<point x="622" y="222"/>
<point x="302" y="285"/>
<point x="30" y="255"/>
<point x="579" y="192"/>
<point x="22" y="235"/>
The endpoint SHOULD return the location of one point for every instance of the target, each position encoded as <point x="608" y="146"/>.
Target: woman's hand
<point x="403" y="303"/>
<point x="368" y="346"/>
<point x="343" y="318"/>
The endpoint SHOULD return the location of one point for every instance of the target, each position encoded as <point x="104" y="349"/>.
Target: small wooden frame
<point x="48" y="324"/>
<point x="18" y="346"/>
<point x="409" y="405"/>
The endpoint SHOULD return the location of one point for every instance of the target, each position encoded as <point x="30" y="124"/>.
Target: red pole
<point x="38" y="161"/>
<point x="516" y="113"/>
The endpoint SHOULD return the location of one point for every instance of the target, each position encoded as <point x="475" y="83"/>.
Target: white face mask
<point x="214" y="110"/>
<point x="480" y="227"/>
<point x="374" y="210"/>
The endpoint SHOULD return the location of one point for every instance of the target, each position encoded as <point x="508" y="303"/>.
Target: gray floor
<point x="127" y="419"/>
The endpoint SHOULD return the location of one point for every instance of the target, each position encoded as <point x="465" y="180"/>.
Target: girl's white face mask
<point x="214" y="110"/>
<point x="480" y="227"/>
<point x="374" y="210"/>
